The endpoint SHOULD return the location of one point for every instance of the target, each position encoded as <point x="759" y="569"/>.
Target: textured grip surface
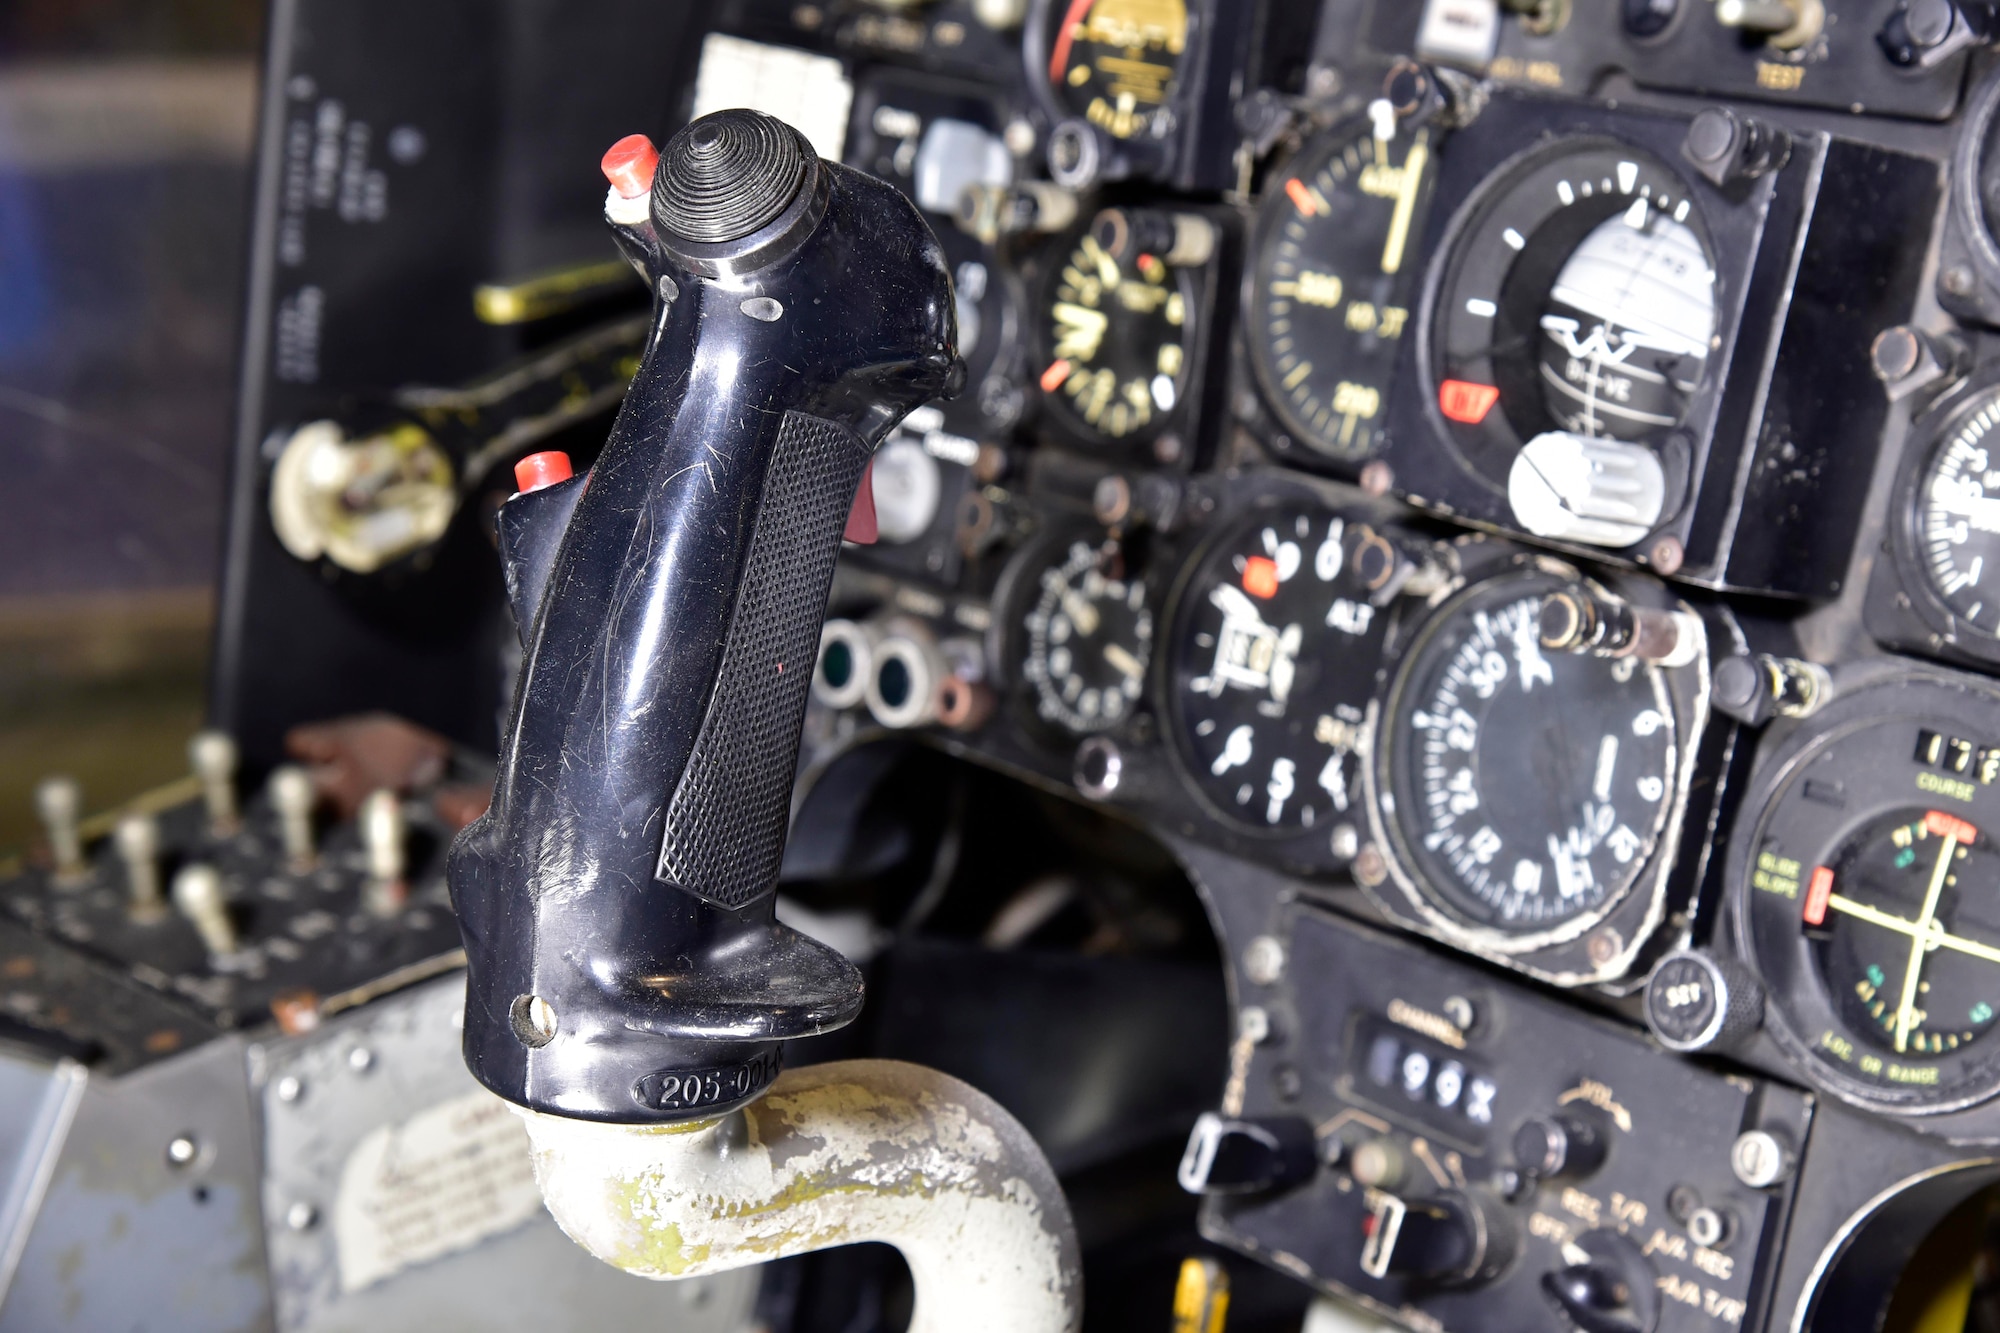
<point x="725" y="833"/>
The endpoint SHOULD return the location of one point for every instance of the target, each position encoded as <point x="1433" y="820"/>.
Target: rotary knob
<point x="1561" y="1144"/>
<point x="1697" y="1002"/>
<point x="1586" y="488"/>
<point x="1457" y="1238"/>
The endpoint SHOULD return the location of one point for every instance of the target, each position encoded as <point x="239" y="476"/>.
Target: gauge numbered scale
<point x="1086" y="635"/>
<point x="1335" y="262"/>
<point x="1866" y="887"/>
<point x="1526" y="798"/>
<point x="1120" y="315"/>
<point x="1939" y="592"/>
<point x="1277" y="639"/>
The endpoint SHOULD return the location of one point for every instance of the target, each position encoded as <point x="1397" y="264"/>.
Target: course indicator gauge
<point x="1869" y="891"/>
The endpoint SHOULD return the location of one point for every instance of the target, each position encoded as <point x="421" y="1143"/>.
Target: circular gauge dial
<point x="1274" y="662"/>
<point x="1578" y="297"/>
<point x="1333" y="268"/>
<point x="1118" y="321"/>
<point x="1090" y="639"/>
<point x="1954" y="516"/>
<point x="1869" y="891"/>
<point x="1114" y="62"/>
<point x="1526" y="788"/>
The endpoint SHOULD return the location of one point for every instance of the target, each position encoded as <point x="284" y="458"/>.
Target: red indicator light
<point x="1053" y="377"/>
<point x="1462" y="400"/>
<point x="539" y="471"/>
<point x="1301" y="197"/>
<point x="629" y="165"/>
<point x="1817" y="892"/>
<point x="1941" y="825"/>
<point x="1260" y="577"/>
<point x="861" y="518"/>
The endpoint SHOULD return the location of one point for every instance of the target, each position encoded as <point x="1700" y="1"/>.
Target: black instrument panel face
<point x="1275" y="655"/>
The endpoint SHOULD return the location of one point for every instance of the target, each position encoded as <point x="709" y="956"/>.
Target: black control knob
<point x="1458" y="1238"/>
<point x="1562" y="1144"/>
<point x="1649" y="18"/>
<point x="1697" y="1002"/>
<point x="1226" y="1155"/>
<point x="1609" y="1290"/>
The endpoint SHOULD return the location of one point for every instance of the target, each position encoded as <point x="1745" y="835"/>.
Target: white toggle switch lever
<point x="59" y="800"/>
<point x="383" y="832"/>
<point x="212" y="756"/>
<point x="138" y="841"/>
<point x="293" y="797"/>
<point x="198" y="894"/>
<point x="1586" y="488"/>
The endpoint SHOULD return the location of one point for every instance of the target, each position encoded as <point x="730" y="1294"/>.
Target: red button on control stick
<point x="861" y="527"/>
<point x="537" y="471"/>
<point x="629" y="164"/>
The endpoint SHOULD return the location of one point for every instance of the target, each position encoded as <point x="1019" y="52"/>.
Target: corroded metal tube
<point x="835" y="1154"/>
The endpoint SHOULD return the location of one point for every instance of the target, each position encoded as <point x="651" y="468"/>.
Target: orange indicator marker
<point x="1301" y="197"/>
<point x="1941" y="825"/>
<point x="1260" y="577"/>
<point x="1053" y="377"/>
<point x="1462" y="400"/>
<point x="1817" y="892"/>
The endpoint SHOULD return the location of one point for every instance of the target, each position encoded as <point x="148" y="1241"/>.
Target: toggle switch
<point x="1227" y="1155"/>
<point x="199" y="896"/>
<point x="212" y="756"/>
<point x="59" y="802"/>
<point x="137" y="838"/>
<point x="293" y="796"/>
<point x="383" y="834"/>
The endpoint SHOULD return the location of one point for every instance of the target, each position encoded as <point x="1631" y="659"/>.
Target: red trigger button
<point x="861" y="519"/>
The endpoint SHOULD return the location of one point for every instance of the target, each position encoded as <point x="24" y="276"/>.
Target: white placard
<point x="439" y="1182"/>
<point x="808" y="92"/>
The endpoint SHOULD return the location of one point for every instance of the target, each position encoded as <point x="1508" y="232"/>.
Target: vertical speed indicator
<point x="1334" y="265"/>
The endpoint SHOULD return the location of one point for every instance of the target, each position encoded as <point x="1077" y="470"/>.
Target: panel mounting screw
<point x="1377" y="477"/>
<point x="182" y="1150"/>
<point x="1666" y="555"/>
<point x="1759" y="1159"/>
<point x="1369" y="867"/>
<point x="1264" y="960"/>
<point x="301" y="1216"/>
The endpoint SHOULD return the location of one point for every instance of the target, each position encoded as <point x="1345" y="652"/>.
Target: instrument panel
<point x="1503" y="493"/>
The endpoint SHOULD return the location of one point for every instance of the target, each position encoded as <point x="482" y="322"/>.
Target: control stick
<point x="624" y="964"/>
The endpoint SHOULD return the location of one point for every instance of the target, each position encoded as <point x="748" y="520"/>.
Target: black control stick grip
<point x="624" y="963"/>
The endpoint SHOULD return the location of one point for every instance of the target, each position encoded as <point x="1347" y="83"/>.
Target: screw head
<point x="1345" y="842"/>
<point x="1264" y="960"/>
<point x="1369" y="867"/>
<point x="1667" y="555"/>
<point x="1707" y="1228"/>
<point x="1377" y="477"/>
<point x="1461" y="1012"/>
<point x="182" y="1150"/>
<point x="1759" y="1159"/>
<point x="1958" y="280"/>
<point x="290" y="1088"/>
<point x="1603" y="946"/>
<point x="1254" y="1023"/>
<point x="301" y="1216"/>
<point x="361" y="1059"/>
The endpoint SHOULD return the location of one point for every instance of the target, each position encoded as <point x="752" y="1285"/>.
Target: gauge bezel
<point x="1443" y="279"/>
<point x="1561" y="954"/>
<point x="1966" y="235"/>
<point x="1929" y="435"/>
<point x="1228" y="530"/>
<point x="1015" y="596"/>
<point x="1860" y="709"/>
<point x="1196" y="285"/>
<point x="1286" y="428"/>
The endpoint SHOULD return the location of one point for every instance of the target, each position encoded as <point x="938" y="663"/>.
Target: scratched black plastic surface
<point x="632" y="654"/>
